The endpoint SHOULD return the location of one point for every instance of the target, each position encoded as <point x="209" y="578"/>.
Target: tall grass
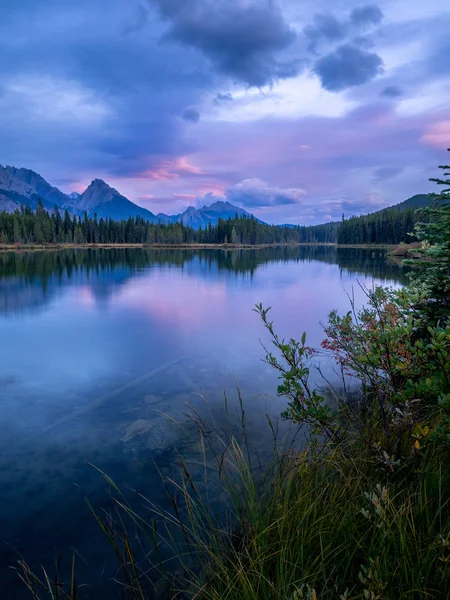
<point x="315" y="523"/>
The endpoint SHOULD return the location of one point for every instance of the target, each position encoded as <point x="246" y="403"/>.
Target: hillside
<point x="415" y="202"/>
<point x="391" y="225"/>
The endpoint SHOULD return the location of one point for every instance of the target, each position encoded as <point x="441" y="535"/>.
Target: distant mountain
<point x="201" y="217"/>
<point x="22" y="186"/>
<point x="107" y="203"/>
<point x="417" y="201"/>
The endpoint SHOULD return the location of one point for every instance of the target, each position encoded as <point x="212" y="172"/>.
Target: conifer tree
<point x="433" y="268"/>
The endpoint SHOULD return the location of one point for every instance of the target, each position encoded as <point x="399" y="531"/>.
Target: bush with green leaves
<point x="404" y="379"/>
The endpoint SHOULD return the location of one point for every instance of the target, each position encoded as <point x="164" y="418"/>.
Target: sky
<point x="297" y="111"/>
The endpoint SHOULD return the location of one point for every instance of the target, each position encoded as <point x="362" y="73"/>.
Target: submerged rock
<point x="139" y="427"/>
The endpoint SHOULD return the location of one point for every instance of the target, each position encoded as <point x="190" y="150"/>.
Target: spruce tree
<point x="433" y="267"/>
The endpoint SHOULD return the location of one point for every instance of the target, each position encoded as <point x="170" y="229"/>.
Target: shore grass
<point x="49" y="247"/>
<point x="319" y="526"/>
<point x="313" y="524"/>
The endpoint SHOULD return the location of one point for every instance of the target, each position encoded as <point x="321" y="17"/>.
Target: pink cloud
<point x="75" y="186"/>
<point x="171" y="169"/>
<point x="185" y="196"/>
<point x="438" y="135"/>
<point x="213" y="188"/>
<point x="335" y="159"/>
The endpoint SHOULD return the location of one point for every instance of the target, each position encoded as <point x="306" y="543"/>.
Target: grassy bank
<point x="49" y="247"/>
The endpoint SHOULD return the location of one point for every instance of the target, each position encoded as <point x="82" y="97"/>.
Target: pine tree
<point x="433" y="268"/>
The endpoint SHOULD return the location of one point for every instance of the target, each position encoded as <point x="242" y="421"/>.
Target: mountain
<point x="107" y="203"/>
<point x="23" y="186"/>
<point x="201" y="217"/>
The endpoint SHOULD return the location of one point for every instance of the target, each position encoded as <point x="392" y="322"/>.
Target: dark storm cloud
<point x="392" y="91"/>
<point x="190" y="114"/>
<point x="242" y="40"/>
<point x="328" y="28"/>
<point x="370" y="14"/>
<point x="347" y="66"/>
<point x="325" y="27"/>
<point x="119" y="95"/>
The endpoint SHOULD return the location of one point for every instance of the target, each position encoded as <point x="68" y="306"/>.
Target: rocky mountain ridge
<point x="19" y="186"/>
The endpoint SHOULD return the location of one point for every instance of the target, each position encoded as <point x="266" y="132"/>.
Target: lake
<point x="103" y="351"/>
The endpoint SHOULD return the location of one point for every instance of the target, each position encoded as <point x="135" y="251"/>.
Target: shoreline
<point x="57" y="247"/>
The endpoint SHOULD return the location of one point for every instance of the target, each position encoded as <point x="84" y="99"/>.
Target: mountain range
<point x="19" y="186"/>
<point x="22" y="186"/>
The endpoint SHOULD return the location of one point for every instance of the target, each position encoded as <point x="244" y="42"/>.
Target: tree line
<point x="26" y="226"/>
<point x="388" y="226"/>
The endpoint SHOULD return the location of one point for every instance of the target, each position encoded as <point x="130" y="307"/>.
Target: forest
<point x="40" y="227"/>
<point x="388" y="226"/>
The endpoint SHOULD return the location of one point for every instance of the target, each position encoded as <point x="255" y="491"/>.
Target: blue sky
<point x="296" y="111"/>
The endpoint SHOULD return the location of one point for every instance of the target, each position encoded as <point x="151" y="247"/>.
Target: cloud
<point x="56" y="100"/>
<point x="223" y="98"/>
<point x="328" y="28"/>
<point x="256" y="192"/>
<point x="191" y="114"/>
<point x="242" y="40"/>
<point x="370" y="14"/>
<point x="82" y="100"/>
<point x="185" y="196"/>
<point x="170" y="169"/>
<point x="384" y="173"/>
<point x="363" y="42"/>
<point x="392" y="91"/>
<point x="113" y="105"/>
<point x="438" y="135"/>
<point x="347" y="66"/>
<point x="364" y="205"/>
<point x="139" y="21"/>
<point x="325" y="27"/>
<point x="345" y="150"/>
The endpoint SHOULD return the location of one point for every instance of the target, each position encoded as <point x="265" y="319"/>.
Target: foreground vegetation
<point x="362" y="512"/>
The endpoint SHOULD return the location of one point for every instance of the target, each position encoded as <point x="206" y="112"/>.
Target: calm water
<point x="100" y="349"/>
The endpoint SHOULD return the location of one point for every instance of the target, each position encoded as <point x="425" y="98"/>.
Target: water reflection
<point x="100" y="347"/>
<point x="30" y="279"/>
